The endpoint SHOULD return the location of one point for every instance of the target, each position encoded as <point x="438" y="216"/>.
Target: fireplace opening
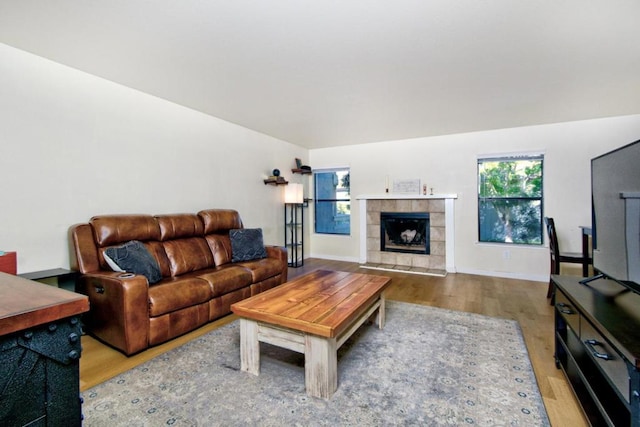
<point x="406" y="232"/>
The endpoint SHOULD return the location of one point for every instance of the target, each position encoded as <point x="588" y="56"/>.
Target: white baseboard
<point x="504" y="274"/>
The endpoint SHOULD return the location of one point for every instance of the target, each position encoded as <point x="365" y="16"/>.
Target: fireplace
<point x="441" y="257"/>
<point x="406" y="232"/>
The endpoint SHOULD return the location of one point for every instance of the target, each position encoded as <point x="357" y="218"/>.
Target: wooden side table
<point x="8" y="263"/>
<point x="60" y="277"/>
<point x="39" y="353"/>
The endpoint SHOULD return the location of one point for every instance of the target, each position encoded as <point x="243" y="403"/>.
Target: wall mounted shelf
<point x="302" y="171"/>
<point x="275" y="182"/>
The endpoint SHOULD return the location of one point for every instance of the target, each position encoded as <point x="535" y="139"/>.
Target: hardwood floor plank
<point x="520" y="300"/>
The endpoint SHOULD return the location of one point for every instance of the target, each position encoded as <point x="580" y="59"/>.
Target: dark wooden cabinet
<point x="597" y="345"/>
<point x="39" y="353"/>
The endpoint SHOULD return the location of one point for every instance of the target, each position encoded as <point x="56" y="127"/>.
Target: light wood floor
<point x="524" y="301"/>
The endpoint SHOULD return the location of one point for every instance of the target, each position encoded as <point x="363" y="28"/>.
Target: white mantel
<point x="449" y="221"/>
<point x="394" y="196"/>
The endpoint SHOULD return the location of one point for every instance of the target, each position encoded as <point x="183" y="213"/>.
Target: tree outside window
<point x="332" y="201"/>
<point x="510" y="200"/>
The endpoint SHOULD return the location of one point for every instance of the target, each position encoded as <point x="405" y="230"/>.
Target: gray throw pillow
<point x="133" y="257"/>
<point x="247" y="244"/>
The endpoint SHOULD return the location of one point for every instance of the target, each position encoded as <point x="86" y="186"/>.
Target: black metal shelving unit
<point x="294" y="233"/>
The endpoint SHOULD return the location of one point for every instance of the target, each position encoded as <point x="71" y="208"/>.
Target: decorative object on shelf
<point x="406" y="186"/>
<point x="294" y="224"/>
<point x="300" y="168"/>
<point x="386" y="184"/>
<point x="275" y="178"/>
<point x="424" y="189"/>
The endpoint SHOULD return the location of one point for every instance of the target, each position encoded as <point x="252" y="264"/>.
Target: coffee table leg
<point x="320" y="366"/>
<point x="249" y="347"/>
<point x="380" y="319"/>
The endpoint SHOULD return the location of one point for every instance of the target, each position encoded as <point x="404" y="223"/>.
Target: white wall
<point x="73" y="145"/>
<point x="448" y="165"/>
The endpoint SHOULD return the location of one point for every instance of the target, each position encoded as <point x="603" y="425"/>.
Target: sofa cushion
<point x="220" y="221"/>
<point x="111" y="230"/>
<point x="228" y="278"/>
<point x="134" y="257"/>
<point x="179" y="226"/>
<point x="187" y="255"/>
<point x="175" y="293"/>
<point x="220" y="247"/>
<point x="262" y="269"/>
<point x="247" y="244"/>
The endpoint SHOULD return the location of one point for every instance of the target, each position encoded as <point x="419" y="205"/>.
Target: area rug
<point x="428" y="366"/>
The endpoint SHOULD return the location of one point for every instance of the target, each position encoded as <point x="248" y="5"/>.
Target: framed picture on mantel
<point x="406" y="186"/>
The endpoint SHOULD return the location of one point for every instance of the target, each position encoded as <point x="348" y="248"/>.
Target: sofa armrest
<point x="119" y="309"/>
<point x="279" y="252"/>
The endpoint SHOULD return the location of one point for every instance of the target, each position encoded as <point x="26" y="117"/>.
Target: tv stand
<point x="592" y="278"/>
<point x="597" y="345"/>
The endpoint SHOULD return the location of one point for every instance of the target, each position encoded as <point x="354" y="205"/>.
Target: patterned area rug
<point x="428" y="366"/>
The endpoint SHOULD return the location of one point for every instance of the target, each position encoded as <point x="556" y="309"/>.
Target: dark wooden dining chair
<point x="556" y="255"/>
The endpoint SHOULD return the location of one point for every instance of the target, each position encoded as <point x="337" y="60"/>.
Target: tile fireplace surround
<point x="440" y="207"/>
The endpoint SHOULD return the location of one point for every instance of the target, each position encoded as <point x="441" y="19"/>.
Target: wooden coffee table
<point x="314" y="315"/>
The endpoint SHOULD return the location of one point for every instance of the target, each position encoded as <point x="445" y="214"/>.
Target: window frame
<point x="317" y="200"/>
<point x="533" y="156"/>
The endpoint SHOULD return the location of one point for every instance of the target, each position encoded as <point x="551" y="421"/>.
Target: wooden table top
<point x="322" y="302"/>
<point x="25" y="303"/>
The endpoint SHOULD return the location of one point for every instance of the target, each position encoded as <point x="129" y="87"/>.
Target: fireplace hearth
<point x="405" y="232"/>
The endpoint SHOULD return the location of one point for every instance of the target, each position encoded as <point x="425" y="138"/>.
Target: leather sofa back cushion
<point x="220" y="221"/>
<point x="186" y="255"/>
<point x="111" y="230"/>
<point x="179" y="225"/>
<point x="220" y="246"/>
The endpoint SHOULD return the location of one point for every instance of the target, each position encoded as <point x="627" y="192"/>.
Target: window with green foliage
<point x="510" y="199"/>
<point x="332" y="201"/>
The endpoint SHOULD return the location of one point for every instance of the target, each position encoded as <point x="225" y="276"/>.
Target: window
<point x="510" y="199"/>
<point x="332" y="201"/>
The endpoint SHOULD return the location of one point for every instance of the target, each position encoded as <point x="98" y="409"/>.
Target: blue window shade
<point x="332" y="201"/>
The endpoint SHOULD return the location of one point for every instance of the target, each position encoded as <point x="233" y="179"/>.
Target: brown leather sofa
<point x="199" y="280"/>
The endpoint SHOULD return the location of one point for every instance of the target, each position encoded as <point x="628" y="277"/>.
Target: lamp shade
<point x="293" y="193"/>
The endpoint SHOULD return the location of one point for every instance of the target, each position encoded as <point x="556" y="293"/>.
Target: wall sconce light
<point x="293" y="194"/>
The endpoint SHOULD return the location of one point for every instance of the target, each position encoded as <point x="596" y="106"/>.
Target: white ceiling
<point x="320" y="73"/>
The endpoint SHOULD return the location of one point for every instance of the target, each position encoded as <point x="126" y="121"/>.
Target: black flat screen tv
<point x="615" y="198"/>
